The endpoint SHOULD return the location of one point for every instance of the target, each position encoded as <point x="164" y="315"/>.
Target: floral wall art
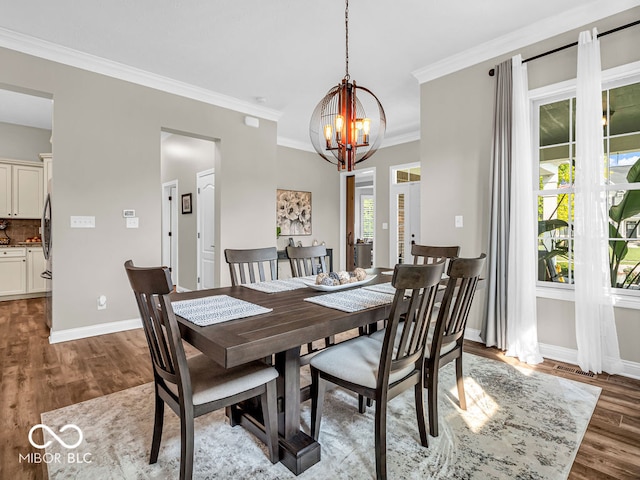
<point x="293" y="214"/>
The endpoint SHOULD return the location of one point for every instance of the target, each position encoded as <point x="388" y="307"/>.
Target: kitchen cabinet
<point x="23" y="193"/>
<point x="13" y="271"/>
<point x="36" y="264"/>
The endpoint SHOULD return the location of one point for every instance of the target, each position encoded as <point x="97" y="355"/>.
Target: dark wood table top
<point x="293" y="322"/>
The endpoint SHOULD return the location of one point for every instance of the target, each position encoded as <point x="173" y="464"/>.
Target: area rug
<point x="519" y="424"/>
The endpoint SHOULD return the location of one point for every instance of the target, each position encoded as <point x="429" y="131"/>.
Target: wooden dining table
<point x="292" y="322"/>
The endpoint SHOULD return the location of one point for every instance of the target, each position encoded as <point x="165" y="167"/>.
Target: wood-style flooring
<point x="36" y="377"/>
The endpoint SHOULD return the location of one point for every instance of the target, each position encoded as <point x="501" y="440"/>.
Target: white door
<point x="206" y="231"/>
<point x="405" y="220"/>
<point x="170" y="228"/>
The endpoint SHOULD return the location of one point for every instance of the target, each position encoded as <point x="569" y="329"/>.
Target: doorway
<point x="170" y="228"/>
<point x="404" y="209"/>
<point x="357" y="218"/>
<point x="183" y="157"/>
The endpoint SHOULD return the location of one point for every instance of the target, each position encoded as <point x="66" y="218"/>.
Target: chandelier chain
<point x="346" y="29"/>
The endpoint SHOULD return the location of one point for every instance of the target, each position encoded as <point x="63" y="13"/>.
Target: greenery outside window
<point x="555" y="185"/>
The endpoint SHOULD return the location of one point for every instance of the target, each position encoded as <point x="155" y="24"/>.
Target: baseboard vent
<point x="575" y="371"/>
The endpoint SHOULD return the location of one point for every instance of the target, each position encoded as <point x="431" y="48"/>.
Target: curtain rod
<point x="614" y="30"/>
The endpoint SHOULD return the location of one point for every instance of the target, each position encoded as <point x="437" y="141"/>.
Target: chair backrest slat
<point x="307" y="261"/>
<point x="420" y="283"/>
<point x="425" y="254"/>
<point x="244" y="264"/>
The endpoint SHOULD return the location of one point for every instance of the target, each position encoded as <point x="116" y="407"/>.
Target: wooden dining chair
<point x="446" y="337"/>
<point x="196" y="385"/>
<point x="307" y="261"/>
<point x="382" y="370"/>
<point x="432" y="254"/>
<point x="251" y="265"/>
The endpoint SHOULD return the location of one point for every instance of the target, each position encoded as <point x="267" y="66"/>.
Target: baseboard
<point x="562" y="354"/>
<point x="93" y="330"/>
<point x="473" y="335"/>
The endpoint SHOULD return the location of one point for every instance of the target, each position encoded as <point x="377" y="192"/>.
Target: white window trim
<point x="612" y="78"/>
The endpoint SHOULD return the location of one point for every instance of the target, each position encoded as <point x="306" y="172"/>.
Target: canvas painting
<point x="293" y="214"/>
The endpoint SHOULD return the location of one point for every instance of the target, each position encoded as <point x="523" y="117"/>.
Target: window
<point x="366" y="217"/>
<point x="556" y="177"/>
<point x="404" y="175"/>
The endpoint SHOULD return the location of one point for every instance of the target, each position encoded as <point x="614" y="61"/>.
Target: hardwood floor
<point x="36" y="377"/>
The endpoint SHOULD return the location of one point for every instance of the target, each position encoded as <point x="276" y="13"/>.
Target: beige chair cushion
<point x="210" y="381"/>
<point x="379" y="336"/>
<point x="356" y="360"/>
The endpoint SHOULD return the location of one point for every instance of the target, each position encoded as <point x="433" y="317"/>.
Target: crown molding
<point x="74" y="58"/>
<point x="389" y="141"/>
<point x="529" y="35"/>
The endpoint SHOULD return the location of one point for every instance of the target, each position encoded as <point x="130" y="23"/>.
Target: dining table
<point x="279" y="334"/>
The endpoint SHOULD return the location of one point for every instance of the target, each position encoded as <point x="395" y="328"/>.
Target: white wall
<point x="18" y="142"/>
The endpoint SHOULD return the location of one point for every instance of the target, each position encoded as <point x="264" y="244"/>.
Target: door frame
<point x="209" y="171"/>
<point x="343" y="215"/>
<point x="393" y="186"/>
<point x="170" y="224"/>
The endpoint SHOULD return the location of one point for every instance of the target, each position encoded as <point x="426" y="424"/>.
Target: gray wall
<point x="107" y="158"/>
<point x="455" y="150"/>
<point x="18" y="142"/>
<point x="308" y="172"/>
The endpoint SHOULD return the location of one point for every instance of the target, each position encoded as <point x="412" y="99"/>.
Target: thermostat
<point x="128" y="213"/>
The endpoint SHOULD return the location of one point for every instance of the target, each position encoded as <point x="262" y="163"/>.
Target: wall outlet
<point x="459" y="221"/>
<point x="102" y="302"/>
<point x="132" y="222"/>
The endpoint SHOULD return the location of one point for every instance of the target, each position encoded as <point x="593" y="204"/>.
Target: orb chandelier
<point x="340" y="130"/>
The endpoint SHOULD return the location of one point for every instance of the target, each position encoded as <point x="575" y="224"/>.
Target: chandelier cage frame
<point x="339" y="129"/>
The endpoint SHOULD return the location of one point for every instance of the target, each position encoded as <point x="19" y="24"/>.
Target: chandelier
<point x="340" y="130"/>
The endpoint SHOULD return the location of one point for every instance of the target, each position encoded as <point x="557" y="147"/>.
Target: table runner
<point x="216" y="309"/>
<point x="275" y="286"/>
<point x="352" y="300"/>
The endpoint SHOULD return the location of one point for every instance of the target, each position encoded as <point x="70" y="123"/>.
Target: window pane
<point x="624" y="153"/>
<point x="554" y="123"/>
<point x="625" y="263"/>
<point x="408" y="175"/>
<point x="624" y="109"/>
<point x="556" y="173"/>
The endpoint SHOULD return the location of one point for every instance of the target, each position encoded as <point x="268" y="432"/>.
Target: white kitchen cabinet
<point x="13" y="271"/>
<point x="36" y="264"/>
<point x="22" y="194"/>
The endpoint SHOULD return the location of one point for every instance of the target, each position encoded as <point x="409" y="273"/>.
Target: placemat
<point x="275" y="286"/>
<point x="352" y="300"/>
<point x="382" y="288"/>
<point x="216" y="309"/>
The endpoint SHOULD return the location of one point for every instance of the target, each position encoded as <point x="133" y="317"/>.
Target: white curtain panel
<point x="522" y="330"/>
<point x="596" y="335"/>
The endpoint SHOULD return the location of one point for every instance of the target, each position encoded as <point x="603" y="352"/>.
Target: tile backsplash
<point x="19" y="230"/>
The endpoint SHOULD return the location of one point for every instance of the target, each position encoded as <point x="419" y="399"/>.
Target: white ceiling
<point x="277" y="58"/>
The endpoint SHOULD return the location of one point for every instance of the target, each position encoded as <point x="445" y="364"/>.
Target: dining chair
<point x="446" y="338"/>
<point x="431" y="253"/>
<point x="245" y="264"/>
<point x="382" y="370"/>
<point x="197" y="385"/>
<point x="307" y="261"/>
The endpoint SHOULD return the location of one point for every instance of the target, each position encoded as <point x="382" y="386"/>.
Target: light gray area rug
<point x="519" y="424"/>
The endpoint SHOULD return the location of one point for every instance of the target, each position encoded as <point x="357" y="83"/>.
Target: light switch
<point x="385" y="226"/>
<point x="83" y="222"/>
<point x="132" y="222"/>
<point x="458" y="221"/>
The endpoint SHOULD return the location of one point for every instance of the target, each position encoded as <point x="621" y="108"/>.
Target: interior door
<point x="206" y="231"/>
